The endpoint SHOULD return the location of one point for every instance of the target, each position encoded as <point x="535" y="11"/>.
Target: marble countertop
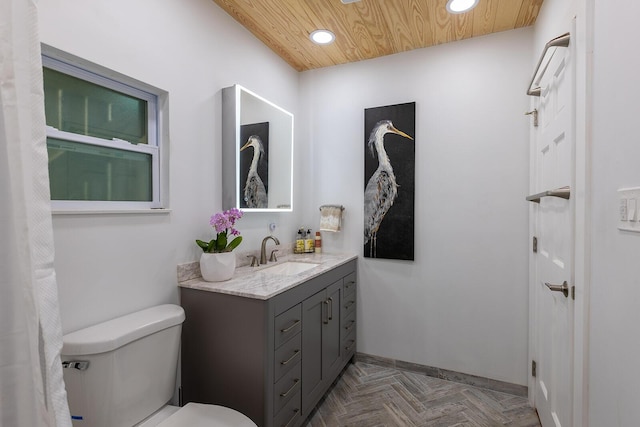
<point x="254" y="282"/>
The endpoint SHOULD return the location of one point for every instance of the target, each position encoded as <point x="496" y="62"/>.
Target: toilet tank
<point x="131" y="370"/>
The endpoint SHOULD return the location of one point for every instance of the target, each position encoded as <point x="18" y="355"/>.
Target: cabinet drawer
<point x="348" y="304"/>
<point x="287" y="388"/>
<point x="289" y="415"/>
<point x="349" y="345"/>
<point x="349" y="284"/>
<point x="287" y="356"/>
<point x="349" y="324"/>
<point x="288" y="324"/>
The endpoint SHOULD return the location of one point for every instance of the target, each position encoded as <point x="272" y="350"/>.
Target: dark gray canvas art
<point x="389" y="176"/>
<point x="254" y="165"/>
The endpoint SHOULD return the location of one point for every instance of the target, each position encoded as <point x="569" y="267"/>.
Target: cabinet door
<point x="331" y="359"/>
<point x="314" y="314"/>
<point x="321" y="351"/>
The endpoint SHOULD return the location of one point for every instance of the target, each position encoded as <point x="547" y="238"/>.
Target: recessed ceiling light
<point x="322" y="37"/>
<point x="461" y="6"/>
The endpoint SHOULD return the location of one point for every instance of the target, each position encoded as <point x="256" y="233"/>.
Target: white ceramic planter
<point x="217" y="267"/>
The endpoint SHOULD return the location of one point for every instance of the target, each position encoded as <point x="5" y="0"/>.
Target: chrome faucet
<point x="263" y="252"/>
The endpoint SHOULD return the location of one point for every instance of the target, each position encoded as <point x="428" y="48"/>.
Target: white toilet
<point x="122" y="373"/>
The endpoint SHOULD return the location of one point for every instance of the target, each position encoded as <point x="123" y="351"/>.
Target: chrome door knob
<point x="564" y="288"/>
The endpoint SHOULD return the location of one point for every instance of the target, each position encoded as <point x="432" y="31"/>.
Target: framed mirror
<point x="257" y="153"/>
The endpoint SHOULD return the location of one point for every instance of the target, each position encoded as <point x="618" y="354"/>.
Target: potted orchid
<point x="223" y="223"/>
<point x="218" y="262"/>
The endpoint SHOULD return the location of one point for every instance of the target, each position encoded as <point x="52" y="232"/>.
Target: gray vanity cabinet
<point x="273" y="359"/>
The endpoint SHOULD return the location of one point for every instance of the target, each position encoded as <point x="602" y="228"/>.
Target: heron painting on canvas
<point x="389" y="182"/>
<point x="254" y="165"/>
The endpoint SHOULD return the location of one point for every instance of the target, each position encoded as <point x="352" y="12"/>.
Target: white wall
<point x="108" y="265"/>
<point x="614" y="372"/>
<point x="463" y="303"/>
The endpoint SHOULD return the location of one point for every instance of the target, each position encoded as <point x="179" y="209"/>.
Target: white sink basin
<point x="290" y="268"/>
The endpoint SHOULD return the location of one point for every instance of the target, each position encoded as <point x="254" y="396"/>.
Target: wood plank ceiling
<point x="370" y="28"/>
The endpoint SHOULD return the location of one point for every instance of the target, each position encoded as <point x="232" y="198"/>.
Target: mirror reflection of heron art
<point x="254" y="165"/>
<point x="390" y="182"/>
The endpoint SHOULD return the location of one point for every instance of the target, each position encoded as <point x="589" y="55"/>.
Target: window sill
<point x="109" y="211"/>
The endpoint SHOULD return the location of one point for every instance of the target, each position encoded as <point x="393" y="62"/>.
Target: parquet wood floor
<point x="369" y="395"/>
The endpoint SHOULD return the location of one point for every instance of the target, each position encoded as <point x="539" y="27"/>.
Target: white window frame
<point x="153" y="146"/>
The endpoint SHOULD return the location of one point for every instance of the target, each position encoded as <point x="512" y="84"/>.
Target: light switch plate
<point x="624" y="213"/>
<point x="628" y="209"/>
<point x="632" y="209"/>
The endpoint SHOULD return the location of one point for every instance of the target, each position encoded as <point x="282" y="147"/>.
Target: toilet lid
<point x="201" y="415"/>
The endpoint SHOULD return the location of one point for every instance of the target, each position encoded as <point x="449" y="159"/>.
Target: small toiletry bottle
<point x="318" y="243"/>
<point x="299" y="242"/>
<point x="308" y="242"/>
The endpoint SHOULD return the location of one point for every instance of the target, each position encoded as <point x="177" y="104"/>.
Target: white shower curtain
<point x="32" y="391"/>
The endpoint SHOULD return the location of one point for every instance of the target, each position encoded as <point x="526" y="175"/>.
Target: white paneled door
<point x="552" y="272"/>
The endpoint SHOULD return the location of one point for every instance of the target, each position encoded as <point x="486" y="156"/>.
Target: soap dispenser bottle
<point x="299" y="248"/>
<point x="309" y="242"/>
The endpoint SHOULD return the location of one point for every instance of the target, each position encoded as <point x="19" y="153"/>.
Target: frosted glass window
<point x="80" y="171"/>
<point x="78" y="106"/>
<point x="102" y="139"/>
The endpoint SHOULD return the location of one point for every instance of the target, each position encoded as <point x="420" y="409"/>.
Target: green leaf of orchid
<point x="234" y="244"/>
<point x="222" y="242"/>
<point x="203" y="245"/>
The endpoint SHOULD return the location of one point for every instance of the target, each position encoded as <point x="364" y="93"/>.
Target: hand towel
<point x="331" y="218"/>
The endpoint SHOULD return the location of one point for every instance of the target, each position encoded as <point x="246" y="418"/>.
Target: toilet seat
<point x="201" y="415"/>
